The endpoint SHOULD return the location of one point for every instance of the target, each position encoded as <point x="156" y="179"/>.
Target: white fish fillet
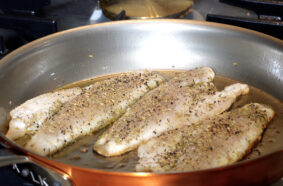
<point x="99" y="105"/>
<point x="27" y="118"/>
<point x="218" y="141"/>
<point x="160" y="110"/>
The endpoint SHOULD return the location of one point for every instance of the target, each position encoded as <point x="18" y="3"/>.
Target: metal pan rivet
<point x="25" y="172"/>
<point x="56" y="183"/>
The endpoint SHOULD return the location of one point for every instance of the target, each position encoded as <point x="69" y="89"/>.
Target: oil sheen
<point x="80" y="153"/>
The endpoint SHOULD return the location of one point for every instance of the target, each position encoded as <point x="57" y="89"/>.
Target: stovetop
<point x="76" y="13"/>
<point x="60" y="15"/>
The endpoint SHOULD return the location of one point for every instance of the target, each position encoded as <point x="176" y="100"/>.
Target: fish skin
<point x="217" y="141"/>
<point x="27" y="118"/>
<point x="99" y="105"/>
<point x="151" y="115"/>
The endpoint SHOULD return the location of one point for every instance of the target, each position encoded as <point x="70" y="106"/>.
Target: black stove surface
<point x="73" y="13"/>
<point x="58" y="15"/>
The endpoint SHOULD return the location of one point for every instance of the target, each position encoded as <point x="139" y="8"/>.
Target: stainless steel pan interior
<point x="81" y="53"/>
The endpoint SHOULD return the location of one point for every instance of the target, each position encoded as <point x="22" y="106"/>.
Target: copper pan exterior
<point x="261" y="171"/>
<point x="155" y="44"/>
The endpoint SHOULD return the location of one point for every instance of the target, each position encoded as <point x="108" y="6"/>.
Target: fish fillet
<point x="218" y="141"/>
<point x="162" y="110"/>
<point x="99" y="105"/>
<point x="27" y="118"/>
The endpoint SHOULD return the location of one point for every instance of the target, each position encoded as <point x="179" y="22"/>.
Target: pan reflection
<point x="163" y="52"/>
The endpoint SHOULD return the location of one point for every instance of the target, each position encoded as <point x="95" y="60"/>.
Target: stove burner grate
<point x="20" y="23"/>
<point x="270" y="15"/>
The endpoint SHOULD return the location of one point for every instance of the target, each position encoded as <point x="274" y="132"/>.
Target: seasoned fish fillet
<point x="27" y="118"/>
<point x="99" y="105"/>
<point x="218" y="141"/>
<point x="164" y="109"/>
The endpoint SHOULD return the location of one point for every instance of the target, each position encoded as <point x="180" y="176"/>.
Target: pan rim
<point x="53" y="37"/>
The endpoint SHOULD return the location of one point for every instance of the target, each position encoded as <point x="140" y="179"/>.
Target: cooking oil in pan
<point x="80" y="153"/>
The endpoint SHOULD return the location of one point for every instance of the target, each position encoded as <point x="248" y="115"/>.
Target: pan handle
<point x="31" y="171"/>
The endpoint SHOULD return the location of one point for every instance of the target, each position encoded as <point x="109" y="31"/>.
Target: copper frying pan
<point x="129" y="45"/>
